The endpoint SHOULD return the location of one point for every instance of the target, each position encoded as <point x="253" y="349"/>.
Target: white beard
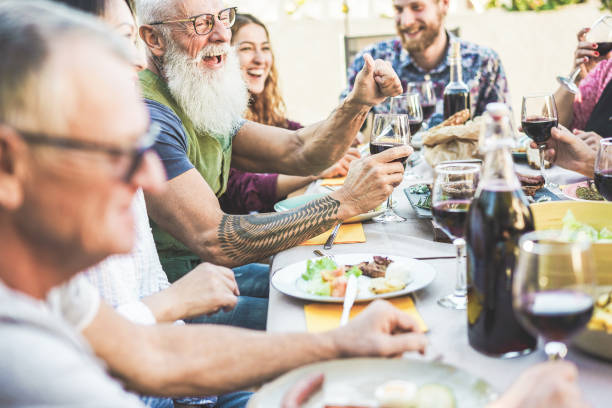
<point x="214" y="101"/>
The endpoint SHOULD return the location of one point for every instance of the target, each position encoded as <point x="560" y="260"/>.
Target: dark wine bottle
<point x="497" y="217"/>
<point x="456" y="93"/>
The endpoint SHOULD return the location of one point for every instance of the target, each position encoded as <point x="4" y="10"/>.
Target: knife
<point x="349" y="299"/>
<point x="332" y="237"/>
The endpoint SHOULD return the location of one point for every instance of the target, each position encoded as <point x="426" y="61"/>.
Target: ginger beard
<point x="214" y="100"/>
<point x="429" y="32"/>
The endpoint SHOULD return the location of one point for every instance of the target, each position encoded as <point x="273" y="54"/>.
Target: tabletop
<point x="447" y="328"/>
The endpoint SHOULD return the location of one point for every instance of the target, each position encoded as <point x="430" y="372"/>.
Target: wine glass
<point x="389" y="130"/>
<point x="427" y="94"/>
<point x="538" y="117"/>
<point x="553" y="288"/>
<point x="453" y="190"/>
<point x="603" y="169"/>
<point x="409" y="104"/>
<point x="600" y="33"/>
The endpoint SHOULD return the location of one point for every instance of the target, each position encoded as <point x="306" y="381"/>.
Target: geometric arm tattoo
<point x="248" y="238"/>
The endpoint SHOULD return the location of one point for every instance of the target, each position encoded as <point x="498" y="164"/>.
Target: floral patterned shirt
<point x="482" y="72"/>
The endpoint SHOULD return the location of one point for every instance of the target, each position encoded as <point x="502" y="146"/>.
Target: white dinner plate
<point x="288" y="280"/>
<point x="357" y="379"/>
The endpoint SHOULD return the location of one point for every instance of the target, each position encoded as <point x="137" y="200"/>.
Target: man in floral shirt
<point x="423" y="48"/>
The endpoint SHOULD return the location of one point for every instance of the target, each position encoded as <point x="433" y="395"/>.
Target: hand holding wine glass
<point x="603" y="168"/>
<point x="553" y="288"/>
<point x="389" y="130"/>
<point x="586" y="56"/>
<point x="453" y="190"/>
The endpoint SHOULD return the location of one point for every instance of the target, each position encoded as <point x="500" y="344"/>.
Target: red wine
<point x="603" y="48"/>
<point x="428" y="110"/>
<point x="451" y="217"/>
<point x="603" y="182"/>
<point x="381" y="147"/>
<point x="455" y="101"/>
<point x="556" y="315"/>
<point x="414" y="125"/>
<point x="538" y="128"/>
<point x="496" y="219"/>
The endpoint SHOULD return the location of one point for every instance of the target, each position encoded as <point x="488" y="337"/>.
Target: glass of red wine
<point x="600" y="33"/>
<point x="553" y="288"/>
<point x="427" y="97"/>
<point x="389" y="130"/>
<point x="603" y="169"/>
<point x="538" y="117"/>
<point x="409" y="104"/>
<point x="453" y="189"/>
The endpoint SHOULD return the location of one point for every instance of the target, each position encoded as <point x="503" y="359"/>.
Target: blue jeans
<point x="251" y="311"/>
<point x="237" y="399"/>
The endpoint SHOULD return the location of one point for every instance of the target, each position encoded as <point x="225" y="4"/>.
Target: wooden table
<point x="447" y="328"/>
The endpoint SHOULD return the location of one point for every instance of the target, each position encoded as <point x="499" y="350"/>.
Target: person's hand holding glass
<point x="389" y="130"/>
<point x="600" y="33"/>
<point x="553" y="288"/>
<point x="454" y="187"/>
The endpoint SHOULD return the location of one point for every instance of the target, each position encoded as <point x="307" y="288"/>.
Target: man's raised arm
<point x="312" y="149"/>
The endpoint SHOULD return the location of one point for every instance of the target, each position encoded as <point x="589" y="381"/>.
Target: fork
<point x="318" y="252"/>
<point x="332" y="237"/>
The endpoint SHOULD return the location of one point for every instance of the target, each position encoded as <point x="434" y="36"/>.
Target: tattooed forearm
<point x="248" y="238"/>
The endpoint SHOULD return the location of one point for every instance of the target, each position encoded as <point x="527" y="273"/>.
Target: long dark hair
<point x="268" y="107"/>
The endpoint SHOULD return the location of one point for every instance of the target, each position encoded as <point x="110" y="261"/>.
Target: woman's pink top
<point x="591" y="88"/>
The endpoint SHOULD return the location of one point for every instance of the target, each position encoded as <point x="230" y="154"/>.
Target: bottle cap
<point x="497" y="130"/>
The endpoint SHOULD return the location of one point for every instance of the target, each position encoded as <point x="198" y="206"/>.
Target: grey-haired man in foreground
<point x="72" y="154"/>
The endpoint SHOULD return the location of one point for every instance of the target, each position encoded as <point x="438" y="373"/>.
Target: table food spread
<point x="385" y="267"/>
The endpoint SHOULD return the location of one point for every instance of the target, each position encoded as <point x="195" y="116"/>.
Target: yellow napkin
<point x="326" y="316"/>
<point x="347" y="234"/>
<point x="336" y="181"/>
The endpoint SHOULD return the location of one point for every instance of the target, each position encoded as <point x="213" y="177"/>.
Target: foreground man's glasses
<point x="204" y="23"/>
<point x="134" y="154"/>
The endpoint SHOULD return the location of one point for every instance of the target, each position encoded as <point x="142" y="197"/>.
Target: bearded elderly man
<point x="194" y="90"/>
<point x="423" y="48"/>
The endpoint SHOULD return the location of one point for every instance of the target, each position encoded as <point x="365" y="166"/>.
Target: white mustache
<point x="214" y="50"/>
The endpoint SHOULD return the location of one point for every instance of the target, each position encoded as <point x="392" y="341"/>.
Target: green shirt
<point x="210" y="155"/>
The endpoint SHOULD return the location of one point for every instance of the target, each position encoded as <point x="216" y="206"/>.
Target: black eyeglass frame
<point x="213" y="17"/>
<point x="136" y="154"/>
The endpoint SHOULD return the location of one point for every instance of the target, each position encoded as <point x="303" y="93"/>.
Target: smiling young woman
<point x="252" y="41"/>
<point x="248" y="192"/>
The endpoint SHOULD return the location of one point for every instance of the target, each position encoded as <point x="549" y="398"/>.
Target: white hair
<point x="214" y="101"/>
<point x="150" y="11"/>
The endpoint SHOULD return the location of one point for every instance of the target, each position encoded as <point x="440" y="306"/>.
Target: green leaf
<point x="353" y="271"/>
<point x="315" y="267"/>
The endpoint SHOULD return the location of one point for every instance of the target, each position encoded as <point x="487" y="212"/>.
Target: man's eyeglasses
<point x="125" y="168"/>
<point x="204" y="23"/>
